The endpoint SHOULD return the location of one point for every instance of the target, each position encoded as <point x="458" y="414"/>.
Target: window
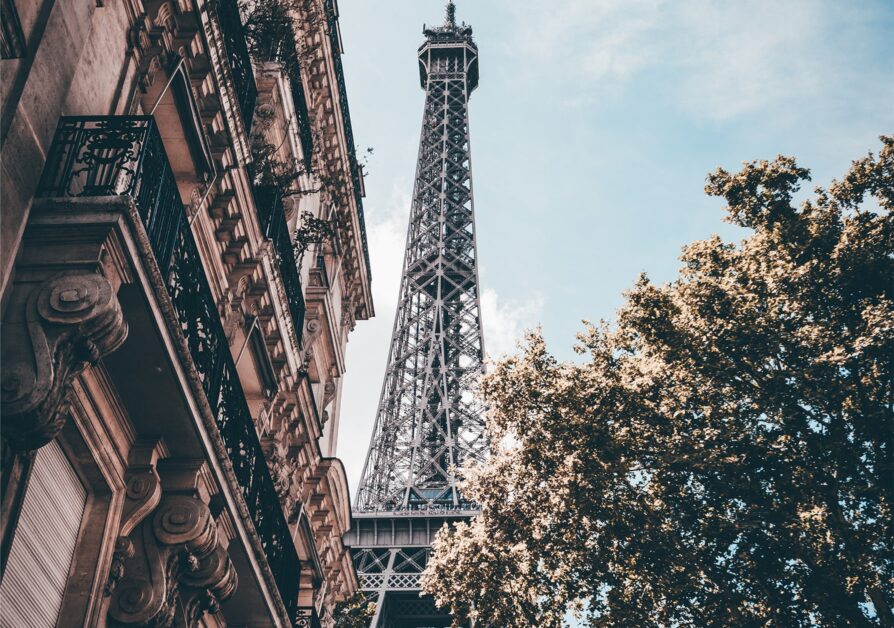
<point x="44" y="542"/>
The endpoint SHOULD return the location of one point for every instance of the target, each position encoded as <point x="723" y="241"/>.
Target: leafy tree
<point x="722" y="455"/>
<point x="355" y="612"/>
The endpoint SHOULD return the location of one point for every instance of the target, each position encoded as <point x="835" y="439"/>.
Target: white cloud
<point x="367" y="350"/>
<point x="506" y="322"/>
<point x="744" y="57"/>
<point x="387" y="233"/>
<point x="722" y="59"/>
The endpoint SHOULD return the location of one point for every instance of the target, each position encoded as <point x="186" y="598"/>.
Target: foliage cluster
<point x="355" y="612"/>
<point x="312" y="230"/>
<point x="271" y="29"/>
<point x="273" y="33"/>
<point x="268" y="170"/>
<point x="722" y="455"/>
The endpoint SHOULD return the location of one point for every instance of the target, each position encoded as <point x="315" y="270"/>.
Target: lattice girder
<point x="429" y="421"/>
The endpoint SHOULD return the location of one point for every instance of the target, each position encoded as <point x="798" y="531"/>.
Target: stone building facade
<point x="175" y="313"/>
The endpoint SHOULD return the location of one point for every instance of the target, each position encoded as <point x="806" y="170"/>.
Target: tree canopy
<point x="721" y="455"/>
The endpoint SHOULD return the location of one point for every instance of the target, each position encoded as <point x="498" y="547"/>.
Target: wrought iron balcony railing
<point x="332" y="20"/>
<point x="240" y="61"/>
<point x="306" y="617"/>
<point x="118" y="155"/>
<point x="108" y="156"/>
<point x="273" y="223"/>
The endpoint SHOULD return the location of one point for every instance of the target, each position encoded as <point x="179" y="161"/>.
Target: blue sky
<point x="593" y="128"/>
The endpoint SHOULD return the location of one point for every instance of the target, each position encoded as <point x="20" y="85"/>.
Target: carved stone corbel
<point x="233" y="318"/>
<point x="63" y="314"/>
<point x="348" y="314"/>
<point x="68" y="322"/>
<point x="143" y="493"/>
<point x="143" y="485"/>
<point x="179" y="568"/>
<point x="312" y="330"/>
<point x="329" y="390"/>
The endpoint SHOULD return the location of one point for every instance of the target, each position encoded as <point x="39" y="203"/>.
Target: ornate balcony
<point x="306" y="617"/>
<point x="273" y="223"/>
<point x="107" y="156"/>
<point x="239" y="58"/>
<point x="117" y="155"/>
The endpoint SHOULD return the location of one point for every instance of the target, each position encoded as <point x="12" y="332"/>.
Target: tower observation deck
<point x="429" y="422"/>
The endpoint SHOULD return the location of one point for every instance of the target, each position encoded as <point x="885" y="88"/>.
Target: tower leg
<point x="380" y="602"/>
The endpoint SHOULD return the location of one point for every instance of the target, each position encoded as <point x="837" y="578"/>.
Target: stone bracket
<point x="62" y="315"/>
<point x="175" y="567"/>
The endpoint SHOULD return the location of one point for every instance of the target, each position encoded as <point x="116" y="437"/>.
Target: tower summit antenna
<point x="451" y="14"/>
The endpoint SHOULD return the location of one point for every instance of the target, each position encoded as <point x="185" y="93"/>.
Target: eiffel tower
<point x="429" y="421"/>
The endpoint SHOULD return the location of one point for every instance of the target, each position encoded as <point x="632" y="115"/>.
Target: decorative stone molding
<point x="63" y="314"/>
<point x="312" y="330"/>
<point x="175" y="567"/>
<point x="329" y="389"/>
<point x="232" y="317"/>
<point x="348" y="313"/>
<point x="284" y="461"/>
<point x="143" y="493"/>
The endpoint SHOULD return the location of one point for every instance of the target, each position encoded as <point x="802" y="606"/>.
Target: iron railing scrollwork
<point x="273" y="224"/>
<point x="197" y="314"/>
<point x="109" y="156"/>
<point x="117" y="155"/>
<point x="306" y="617"/>
<point x="239" y="58"/>
<point x="238" y="432"/>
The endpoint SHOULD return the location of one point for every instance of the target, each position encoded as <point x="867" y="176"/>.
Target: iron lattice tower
<point x="428" y="421"/>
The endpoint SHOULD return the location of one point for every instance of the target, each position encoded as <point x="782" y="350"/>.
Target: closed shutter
<point x="44" y="542"/>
